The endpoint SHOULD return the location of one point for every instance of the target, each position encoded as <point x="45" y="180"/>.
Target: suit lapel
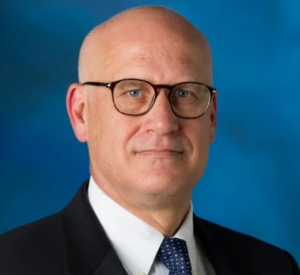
<point x="215" y="252"/>
<point x="88" y="250"/>
<point x="110" y="265"/>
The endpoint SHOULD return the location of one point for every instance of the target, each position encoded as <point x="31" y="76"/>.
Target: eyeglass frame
<point x="112" y="85"/>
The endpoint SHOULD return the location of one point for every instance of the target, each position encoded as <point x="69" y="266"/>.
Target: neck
<point x="163" y="213"/>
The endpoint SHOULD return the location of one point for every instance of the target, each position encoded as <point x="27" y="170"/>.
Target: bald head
<point x="140" y="28"/>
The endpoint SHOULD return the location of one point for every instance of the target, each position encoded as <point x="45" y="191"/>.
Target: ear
<point x="213" y="118"/>
<point x="76" y="107"/>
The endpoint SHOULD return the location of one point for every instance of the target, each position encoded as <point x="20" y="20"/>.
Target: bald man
<point x="147" y="110"/>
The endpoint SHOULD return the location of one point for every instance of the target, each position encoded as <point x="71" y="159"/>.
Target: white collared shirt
<point x="136" y="243"/>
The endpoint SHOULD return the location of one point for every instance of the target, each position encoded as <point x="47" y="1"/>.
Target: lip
<point x="159" y="152"/>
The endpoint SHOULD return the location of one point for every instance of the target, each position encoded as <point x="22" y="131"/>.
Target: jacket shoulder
<point x="249" y="251"/>
<point x="234" y="237"/>
<point x="39" y="244"/>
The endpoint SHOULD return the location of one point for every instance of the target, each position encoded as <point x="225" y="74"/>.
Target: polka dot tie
<point x="173" y="253"/>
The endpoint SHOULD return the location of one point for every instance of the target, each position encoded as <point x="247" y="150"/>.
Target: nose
<point x="161" y="119"/>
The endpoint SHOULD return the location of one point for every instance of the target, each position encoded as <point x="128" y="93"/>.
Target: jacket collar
<point x="210" y="236"/>
<point x="88" y="250"/>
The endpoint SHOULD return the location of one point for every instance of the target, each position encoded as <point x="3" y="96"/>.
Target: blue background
<point x="252" y="179"/>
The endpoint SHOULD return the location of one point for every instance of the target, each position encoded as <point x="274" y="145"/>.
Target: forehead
<point x="156" y="54"/>
<point x="166" y="65"/>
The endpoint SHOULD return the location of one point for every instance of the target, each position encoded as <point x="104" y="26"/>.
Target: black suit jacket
<point x="73" y="242"/>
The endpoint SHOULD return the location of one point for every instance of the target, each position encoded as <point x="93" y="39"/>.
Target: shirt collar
<point x="135" y="242"/>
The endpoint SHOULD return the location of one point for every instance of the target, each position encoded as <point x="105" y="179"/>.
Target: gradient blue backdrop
<point x="252" y="179"/>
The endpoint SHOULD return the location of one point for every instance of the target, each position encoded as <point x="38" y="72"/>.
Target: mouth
<point x="159" y="152"/>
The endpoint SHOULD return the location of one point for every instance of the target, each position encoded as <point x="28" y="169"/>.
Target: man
<point x="147" y="110"/>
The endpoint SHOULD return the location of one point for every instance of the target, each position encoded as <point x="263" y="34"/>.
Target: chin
<point x="161" y="184"/>
<point x="163" y="167"/>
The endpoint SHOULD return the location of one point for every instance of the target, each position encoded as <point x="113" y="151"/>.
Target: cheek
<point x="198" y="134"/>
<point x="99" y="130"/>
<point x="109" y="135"/>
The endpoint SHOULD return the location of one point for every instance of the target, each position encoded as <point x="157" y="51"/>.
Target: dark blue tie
<point x="173" y="253"/>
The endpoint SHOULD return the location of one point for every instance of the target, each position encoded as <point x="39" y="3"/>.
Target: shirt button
<point x="194" y="272"/>
<point x="141" y="273"/>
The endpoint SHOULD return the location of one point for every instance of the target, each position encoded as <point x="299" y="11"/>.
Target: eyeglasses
<point x="136" y="97"/>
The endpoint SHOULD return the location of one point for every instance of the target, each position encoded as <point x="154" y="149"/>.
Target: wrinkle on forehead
<point x="145" y="29"/>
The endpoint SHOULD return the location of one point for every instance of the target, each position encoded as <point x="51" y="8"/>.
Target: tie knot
<point x="173" y="253"/>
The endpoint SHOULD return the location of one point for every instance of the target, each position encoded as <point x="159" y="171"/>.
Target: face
<point x="158" y="153"/>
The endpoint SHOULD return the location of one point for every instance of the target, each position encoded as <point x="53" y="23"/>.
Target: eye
<point x="134" y="93"/>
<point x="182" y="93"/>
